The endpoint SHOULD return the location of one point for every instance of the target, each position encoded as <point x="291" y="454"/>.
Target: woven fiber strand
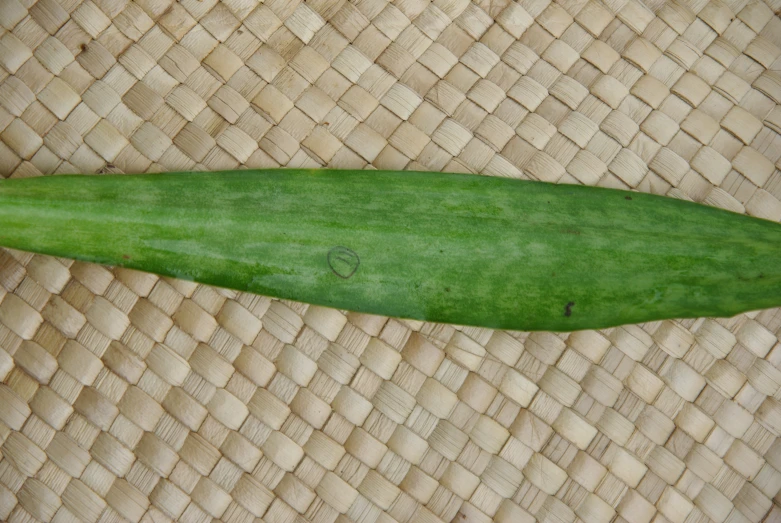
<point x="126" y="396"/>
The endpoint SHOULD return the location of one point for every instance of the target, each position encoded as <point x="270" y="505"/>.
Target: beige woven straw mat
<point x="126" y="396"/>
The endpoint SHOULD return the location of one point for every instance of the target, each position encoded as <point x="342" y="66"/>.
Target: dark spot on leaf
<point x="568" y="309"/>
<point x="627" y="197"/>
<point x="125" y="256"/>
<point x="447" y="289"/>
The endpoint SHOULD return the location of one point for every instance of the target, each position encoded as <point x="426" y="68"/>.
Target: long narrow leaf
<point x="454" y="248"/>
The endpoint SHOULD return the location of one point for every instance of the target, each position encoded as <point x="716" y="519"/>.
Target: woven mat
<point x="126" y="396"/>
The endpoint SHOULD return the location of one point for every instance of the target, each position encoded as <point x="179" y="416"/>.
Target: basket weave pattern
<point x="126" y="396"/>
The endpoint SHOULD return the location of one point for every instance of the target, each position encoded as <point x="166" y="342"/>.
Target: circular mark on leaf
<point x="343" y="261"/>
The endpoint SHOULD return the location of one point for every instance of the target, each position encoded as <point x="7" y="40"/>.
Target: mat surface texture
<point x="126" y="396"/>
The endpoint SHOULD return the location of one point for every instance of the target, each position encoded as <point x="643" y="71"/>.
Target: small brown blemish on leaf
<point x="627" y="197"/>
<point x="568" y="309"/>
<point x="125" y="256"/>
